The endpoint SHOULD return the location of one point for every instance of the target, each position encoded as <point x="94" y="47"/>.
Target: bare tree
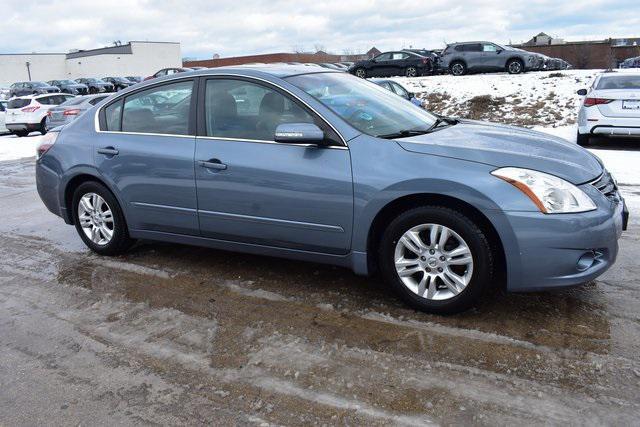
<point x="318" y="47"/>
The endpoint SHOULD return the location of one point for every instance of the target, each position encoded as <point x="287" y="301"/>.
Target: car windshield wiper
<point x="442" y="120"/>
<point x="404" y="133"/>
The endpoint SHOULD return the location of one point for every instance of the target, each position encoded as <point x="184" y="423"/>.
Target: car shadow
<point x="626" y="144"/>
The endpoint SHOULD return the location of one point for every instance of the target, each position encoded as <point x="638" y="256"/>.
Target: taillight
<point x="425" y="60"/>
<point x="73" y="112"/>
<point x="589" y="102"/>
<point x="47" y="141"/>
<point x="30" y="109"/>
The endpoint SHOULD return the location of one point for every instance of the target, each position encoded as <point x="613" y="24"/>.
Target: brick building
<point x="608" y="53"/>
<point x="268" y="58"/>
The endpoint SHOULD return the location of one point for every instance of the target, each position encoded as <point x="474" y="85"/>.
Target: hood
<point x="502" y="146"/>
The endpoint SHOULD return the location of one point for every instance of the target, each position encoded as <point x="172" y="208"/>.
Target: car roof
<point x="276" y="70"/>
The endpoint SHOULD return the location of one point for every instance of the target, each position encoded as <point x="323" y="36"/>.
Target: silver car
<point x="461" y="58"/>
<point x="70" y="110"/>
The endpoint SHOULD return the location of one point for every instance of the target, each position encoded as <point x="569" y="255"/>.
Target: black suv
<point x="399" y="63"/>
<point x="31" y="88"/>
<point x="69" y="86"/>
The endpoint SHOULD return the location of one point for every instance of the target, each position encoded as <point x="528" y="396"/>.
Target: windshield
<point x="92" y="80"/>
<point x="619" y="82"/>
<point x="38" y="84"/>
<point x="67" y="82"/>
<point x="364" y="105"/>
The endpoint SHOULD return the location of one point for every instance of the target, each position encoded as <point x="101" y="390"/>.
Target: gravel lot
<point x="174" y="334"/>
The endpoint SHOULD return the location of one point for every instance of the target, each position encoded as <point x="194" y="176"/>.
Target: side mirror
<point x="410" y="95"/>
<point x="582" y="92"/>
<point x="299" y="133"/>
<point x="498" y="51"/>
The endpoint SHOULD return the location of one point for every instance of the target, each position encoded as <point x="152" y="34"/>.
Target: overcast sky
<point x="242" y="27"/>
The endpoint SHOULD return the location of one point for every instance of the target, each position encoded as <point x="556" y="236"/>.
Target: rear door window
<point x="163" y="109"/>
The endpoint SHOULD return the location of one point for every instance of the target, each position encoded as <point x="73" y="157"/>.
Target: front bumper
<point x="563" y="250"/>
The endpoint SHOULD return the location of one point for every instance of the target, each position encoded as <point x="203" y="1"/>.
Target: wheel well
<point x="71" y="188"/>
<point x="396" y="207"/>
<point x="515" y="58"/>
<point x="462" y="61"/>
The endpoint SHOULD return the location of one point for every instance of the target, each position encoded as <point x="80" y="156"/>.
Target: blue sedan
<point x="317" y="165"/>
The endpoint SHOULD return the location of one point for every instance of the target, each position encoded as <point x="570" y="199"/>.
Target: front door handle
<point x="108" y="151"/>
<point x="213" y="164"/>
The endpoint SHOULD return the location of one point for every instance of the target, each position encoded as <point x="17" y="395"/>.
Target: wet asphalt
<point x="171" y="334"/>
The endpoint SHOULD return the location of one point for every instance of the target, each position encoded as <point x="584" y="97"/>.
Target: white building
<point x="132" y="59"/>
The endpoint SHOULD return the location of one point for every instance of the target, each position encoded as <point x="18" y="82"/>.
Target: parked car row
<point x="457" y="59"/>
<point x="631" y="62"/>
<point x="81" y="86"/>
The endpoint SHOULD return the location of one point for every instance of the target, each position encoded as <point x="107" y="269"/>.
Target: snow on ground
<point x="546" y="98"/>
<point x="12" y="147"/>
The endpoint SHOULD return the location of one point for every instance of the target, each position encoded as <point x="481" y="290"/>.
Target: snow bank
<point x="12" y="147"/>
<point x="537" y="98"/>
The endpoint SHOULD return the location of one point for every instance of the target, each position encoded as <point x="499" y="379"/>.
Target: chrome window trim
<point x="96" y="119"/>
<point x="265" y="141"/>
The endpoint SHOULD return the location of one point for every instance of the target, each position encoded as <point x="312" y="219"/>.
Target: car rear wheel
<point x="515" y="66"/>
<point x="411" y="72"/>
<point x="361" y="72"/>
<point x="436" y="259"/>
<point x="99" y="220"/>
<point x="458" y="68"/>
<point x="93" y="90"/>
<point x="21" y="133"/>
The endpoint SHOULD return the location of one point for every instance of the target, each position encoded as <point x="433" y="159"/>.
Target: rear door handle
<point x="108" y="151"/>
<point x="213" y="164"/>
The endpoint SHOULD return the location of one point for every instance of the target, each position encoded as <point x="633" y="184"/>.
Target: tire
<point x="21" y="133"/>
<point x="119" y="241"/>
<point x="583" y="139"/>
<point x="43" y="126"/>
<point x="515" y="66"/>
<point x="458" y="68"/>
<point x="360" y="72"/>
<point x="411" y="72"/>
<point x="437" y="297"/>
<point x="93" y="90"/>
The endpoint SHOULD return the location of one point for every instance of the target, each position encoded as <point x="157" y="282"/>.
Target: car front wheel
<point x="411" y="72"/>
<point x="436" y="259"/>
<point x="99" y="219"/>
<point x="458" y="68"/>
<point x="515" y="66"/>
<point x="361" y="72"/>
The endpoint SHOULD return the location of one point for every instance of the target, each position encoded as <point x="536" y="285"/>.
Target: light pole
<point x="28" y="69"/>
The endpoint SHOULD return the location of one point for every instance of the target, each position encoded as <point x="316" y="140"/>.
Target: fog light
<point x="586" y="261"/>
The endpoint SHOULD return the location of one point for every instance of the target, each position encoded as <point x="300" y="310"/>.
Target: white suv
<point x="28" y="113"/>
<point x="611" y="107"/>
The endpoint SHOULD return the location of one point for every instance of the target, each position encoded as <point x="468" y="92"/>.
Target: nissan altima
<point x="313" y="164"/>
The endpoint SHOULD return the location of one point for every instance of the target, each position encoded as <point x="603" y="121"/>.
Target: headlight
<point x="549" y="193"/>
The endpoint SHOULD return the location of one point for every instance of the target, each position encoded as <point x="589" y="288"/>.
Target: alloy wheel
<point x="96" y="218"/>
<point x="433" y="261"/>
<point x="515" y="67"/>
<point x="411" y="72"/>
<point x="360" y="72"/>
<point x="457" y="69"/>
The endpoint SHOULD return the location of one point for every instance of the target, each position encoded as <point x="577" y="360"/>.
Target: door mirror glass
<point x="299" y="133"/>
<point x="582" y="92"/>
